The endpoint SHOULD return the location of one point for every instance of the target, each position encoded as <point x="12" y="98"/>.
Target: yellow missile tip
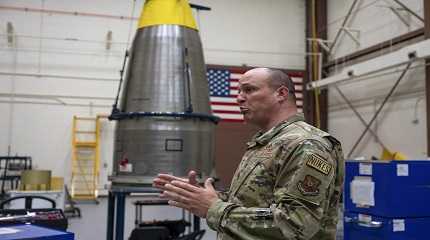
<point x="160" y="12"/>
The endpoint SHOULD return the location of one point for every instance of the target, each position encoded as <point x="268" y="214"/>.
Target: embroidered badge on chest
<point x="265" y="152"/>
<point x="309" y="186"/>
<point x="318" y="163"/>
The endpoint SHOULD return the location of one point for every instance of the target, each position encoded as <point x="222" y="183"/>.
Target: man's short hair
<point x="277" y="78"/>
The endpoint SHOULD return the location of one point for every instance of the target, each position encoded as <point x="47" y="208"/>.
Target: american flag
<point x="223" y="89"/>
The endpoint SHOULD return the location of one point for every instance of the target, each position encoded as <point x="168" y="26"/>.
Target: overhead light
<point x="108" y="40"/>
<point x="10" y="34"/>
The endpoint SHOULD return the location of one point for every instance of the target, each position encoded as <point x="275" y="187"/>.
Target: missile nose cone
<point x="160" y="12"/>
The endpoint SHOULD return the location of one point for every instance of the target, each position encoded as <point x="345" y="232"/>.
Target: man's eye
<point x="247" y="90"/>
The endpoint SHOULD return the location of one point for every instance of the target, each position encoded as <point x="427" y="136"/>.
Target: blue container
<point x="359" y="227"/>
<point x="33" y="232"/>
<point x="401" y="188"/>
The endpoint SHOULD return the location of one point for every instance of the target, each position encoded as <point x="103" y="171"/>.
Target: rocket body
<point x="165" y="124"/>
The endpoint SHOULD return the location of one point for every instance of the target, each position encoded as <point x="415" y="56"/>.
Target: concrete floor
<point x="93" y="224"/>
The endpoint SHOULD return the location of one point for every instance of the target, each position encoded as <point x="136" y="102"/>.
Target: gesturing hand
<point x="190" y="197"/>
<point x="163" y="179"/>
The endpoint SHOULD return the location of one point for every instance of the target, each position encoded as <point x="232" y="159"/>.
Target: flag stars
<point x="219" y="82"/>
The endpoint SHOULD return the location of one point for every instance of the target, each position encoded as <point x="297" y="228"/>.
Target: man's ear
<point x="282" y="93"/>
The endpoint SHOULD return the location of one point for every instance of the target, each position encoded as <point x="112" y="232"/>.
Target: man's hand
<point x="162" y="179"/>
<point x="190" y="197"/>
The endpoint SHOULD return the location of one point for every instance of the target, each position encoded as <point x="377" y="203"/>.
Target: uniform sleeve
<point x="301" y="193"/>
<point x="223" y="195"/>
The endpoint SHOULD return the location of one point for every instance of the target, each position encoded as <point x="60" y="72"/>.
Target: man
<point x="289" y="181"/>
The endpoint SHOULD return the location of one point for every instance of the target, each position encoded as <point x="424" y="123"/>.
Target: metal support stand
<point x="196" y="223"/>
<point x="116" y="210"/>
<point x="111" y="216"/>
<point x="120" y="214"/>
<point x="115" y="221"/>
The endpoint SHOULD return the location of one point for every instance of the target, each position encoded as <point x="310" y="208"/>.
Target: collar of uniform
<point x="262" y="138"/>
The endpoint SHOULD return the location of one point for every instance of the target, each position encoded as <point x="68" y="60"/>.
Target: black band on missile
<point x="200" y="7"/>
<point x="130" y="115"/>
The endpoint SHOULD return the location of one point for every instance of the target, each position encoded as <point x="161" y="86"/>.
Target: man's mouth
<point x="244" y="110"/>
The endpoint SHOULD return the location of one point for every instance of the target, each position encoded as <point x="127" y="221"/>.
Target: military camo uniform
<point x="287" y="186"/>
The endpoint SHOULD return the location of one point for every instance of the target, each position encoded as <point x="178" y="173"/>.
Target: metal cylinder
<point x="165" y="123"/>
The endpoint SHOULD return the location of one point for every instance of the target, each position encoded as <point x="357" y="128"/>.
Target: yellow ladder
<point x="85" y="158"/>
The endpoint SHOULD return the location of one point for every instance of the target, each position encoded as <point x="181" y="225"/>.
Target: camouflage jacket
<point x="287" y="186"/>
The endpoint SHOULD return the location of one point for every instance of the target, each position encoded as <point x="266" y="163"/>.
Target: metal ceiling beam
<point x="349" y="103"/>
<point x="43" y="75"/>
<point x="71" y="13"/>
<point x="410" y="10"/>
<point x="345" y="21"/>
<point x="413" y="35"/>
<point x="411" y="53"/>
<point x="378" y="111"/>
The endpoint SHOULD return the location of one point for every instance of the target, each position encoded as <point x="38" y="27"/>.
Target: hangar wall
<point x="61" y="63"/>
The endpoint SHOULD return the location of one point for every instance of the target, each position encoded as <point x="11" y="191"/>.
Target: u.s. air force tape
<point x="263" y="213"/>
<point x="318" y="163"/>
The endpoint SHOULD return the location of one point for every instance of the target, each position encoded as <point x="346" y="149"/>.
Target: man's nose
<point x="240" y="98"/>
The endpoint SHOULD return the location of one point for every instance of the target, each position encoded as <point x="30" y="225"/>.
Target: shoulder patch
<point x="309" y="186"/>
<point x="265" y="152"/>
<point x="318" y="163"/>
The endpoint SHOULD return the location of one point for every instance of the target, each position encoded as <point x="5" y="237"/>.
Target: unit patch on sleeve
<point x="318" y="163"/>
<point x="309" y="186"/>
